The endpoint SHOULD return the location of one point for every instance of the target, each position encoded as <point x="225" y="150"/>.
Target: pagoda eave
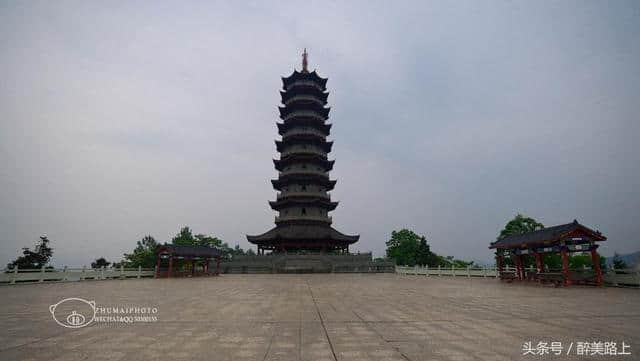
<point x="303" y="179"/>
<point x="303" y="233"/>
<point x="304" y="121"/>
<point x="298" y="201"/>
<point x="280" y="164"/>
<point x="325" y="145"/>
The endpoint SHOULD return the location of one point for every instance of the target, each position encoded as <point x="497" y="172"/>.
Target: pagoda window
<point x="304" y="211"/>
<point x="304" y="166"/>
<point x="304" y="188"/>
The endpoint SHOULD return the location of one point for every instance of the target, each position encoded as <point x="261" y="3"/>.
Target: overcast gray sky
<point x="122" y="119"/>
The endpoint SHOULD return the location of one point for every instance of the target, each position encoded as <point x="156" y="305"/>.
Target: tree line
<point x="143" y="255"/>
<point x="405" y="247"/>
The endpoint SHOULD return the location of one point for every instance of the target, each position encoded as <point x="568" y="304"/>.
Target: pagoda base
<point x="307" y="263"/>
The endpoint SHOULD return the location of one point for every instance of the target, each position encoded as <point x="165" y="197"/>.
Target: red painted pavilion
<point x="303" y="203"/>
<point x="191" y="254"/>
<point x="563" y="239"/>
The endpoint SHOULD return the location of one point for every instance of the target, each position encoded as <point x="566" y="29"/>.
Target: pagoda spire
<point x="305" y="63"/>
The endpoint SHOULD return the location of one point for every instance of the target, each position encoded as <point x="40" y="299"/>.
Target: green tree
<point x="580" y="261"/>
<point x="144" y="255"/>
<point x="519" y="225"/>
<point x="37" y="258"/>
<point x="184" y="238"/>
<point x="403" y="247"/>
<point x="238" y="251"/>
<point x="408" y="248"/>
<point x="100" y="262"/>
<point x="618" y="262"/>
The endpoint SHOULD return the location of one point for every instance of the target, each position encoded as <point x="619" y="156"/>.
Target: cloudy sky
<point x="122" y="119"/>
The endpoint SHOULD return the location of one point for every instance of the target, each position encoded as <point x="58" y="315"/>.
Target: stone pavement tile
<point x="277" y="317"/>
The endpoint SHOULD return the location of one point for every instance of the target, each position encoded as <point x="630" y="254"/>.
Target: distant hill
<point x="630" y="259"/>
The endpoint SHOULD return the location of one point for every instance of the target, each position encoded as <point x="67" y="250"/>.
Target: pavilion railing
<point x="613" y="277"/>
<point x="448" y="271"/>
<point x="66" y="274"/>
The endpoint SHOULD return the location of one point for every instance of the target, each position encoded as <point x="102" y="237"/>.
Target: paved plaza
<point x="319" y="317"/>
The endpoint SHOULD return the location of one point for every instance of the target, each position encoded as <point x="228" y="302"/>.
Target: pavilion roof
<point x="189" y="251"/>
<point x="547" y="235"/>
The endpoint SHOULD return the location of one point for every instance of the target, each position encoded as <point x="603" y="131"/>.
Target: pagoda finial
<point x="304" y="61"/>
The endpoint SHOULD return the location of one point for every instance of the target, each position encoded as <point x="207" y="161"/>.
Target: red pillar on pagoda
<point x="565" y="266"/>
<point x="595" y="261"/>
<point x="170" y="266"/>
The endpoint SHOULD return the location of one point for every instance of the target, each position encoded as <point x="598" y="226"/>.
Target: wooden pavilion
<point x="563" y="239"/>
<point x="191" y="254"/>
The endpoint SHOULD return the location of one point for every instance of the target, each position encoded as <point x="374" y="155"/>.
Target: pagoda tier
<point x="302" y="78"/>
<point x="303" y="201"/>
<point x="302" y="123"/>
<point x="311" y="109"/>
<point x="304" y="94"/>
<point x="304" y="139"/>
<point x="303" y="179"/>
<point x="303" y="222"/>
<point x="308" y="158"/>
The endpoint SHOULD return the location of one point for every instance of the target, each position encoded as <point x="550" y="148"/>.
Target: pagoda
<point x="303" y="202"/>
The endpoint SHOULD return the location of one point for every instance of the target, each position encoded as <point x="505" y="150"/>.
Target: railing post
<point x="426" y="267"/>
<point x="139" y="271"/>
<point x="484" y="271"/>
<point x="468" y="272"/>
<point x="64" y="273"/>
<point x="84" y="268"/>
<point x="453" y="270"/>
<point x="121" y="271"/>
<point x="15" y="274"/>
<point x="102" y="273"/>
<point x="41" y="274"/>
<point x="439" y="271"/>
<point x="415" y="270"/>
<point x="155" y="272"/>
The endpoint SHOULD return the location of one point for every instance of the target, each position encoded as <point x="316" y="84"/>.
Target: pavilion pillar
<point x="519" y="267"/>
<point x="158" y="267"/>
<point x="217" y="266"/>
<point x="206" y="266"/>
<point x="595" y="262"/>
<point x="170" y="266"/>
<point x="565" y="266"/>
<point x="499" y="263"/>
<point x="539" y="265"/>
